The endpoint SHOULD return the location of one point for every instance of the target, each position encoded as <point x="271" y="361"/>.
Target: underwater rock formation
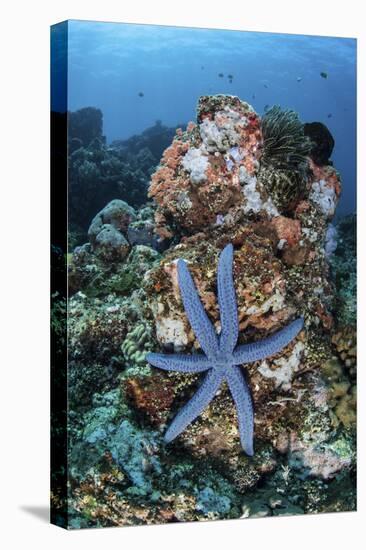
<point x="344" y="266"/>
<point x="84" y="126"/>
<point x="117" y="213"/>
<point x="108" y="229"/>
<point x="198" y="179"/>
<point x="280" y="263"/>
<point x="100" y="173"/>
<point x="113" y="260"/>
<point x="215" y="186"/>
<point x="224" y="169"/>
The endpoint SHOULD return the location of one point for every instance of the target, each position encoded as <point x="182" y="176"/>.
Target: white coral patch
<point x="233" y="156"/>
<point x="220" y="220"/>
<point x="324" y="196"/>
<point x="310" y="234"/>
<point x="254" y="202"/>
<point x="171" y="331"/>
<point x="245" y="178"/>
<point x="275" y="302"/>
<point x="212" y="137"/>
<point x="196" y="163"/>
<point x="270" y="208"/>
<point x="236" y="154"/>
<point x="281" y="243"/>
<point x="221" y="134"/>
<point x="285" y="367"/>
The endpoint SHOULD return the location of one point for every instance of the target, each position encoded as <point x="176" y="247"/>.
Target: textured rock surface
<point x="209" y="190"/>
<point x="99" y="173"/>
<point x="117" y="213"/>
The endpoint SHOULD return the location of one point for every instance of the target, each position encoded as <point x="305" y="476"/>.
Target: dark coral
<point x="99" y="173"/>
<point x="344" y="270"/>
<point x="85" y="125"/>
<point x="322" y="142"/>
<point x="152" y="396"/>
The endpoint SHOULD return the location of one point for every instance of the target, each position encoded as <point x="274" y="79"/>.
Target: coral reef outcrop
<point x="224" y="180"/>
<point x="229" y="166"/>
<point x="101" y="172"/>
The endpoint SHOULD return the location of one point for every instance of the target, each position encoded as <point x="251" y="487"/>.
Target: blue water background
<point x="109" y="64"/>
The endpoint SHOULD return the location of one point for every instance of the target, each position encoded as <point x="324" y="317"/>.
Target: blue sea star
<point x="221" y="356"/>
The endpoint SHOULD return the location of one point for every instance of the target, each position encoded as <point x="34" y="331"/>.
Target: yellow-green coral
<point x="284" y="186"/>
<point x="136" y="345"/>
<point x="342" y="394"/>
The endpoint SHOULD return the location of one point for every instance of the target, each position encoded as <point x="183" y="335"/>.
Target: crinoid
<point x="284" y="160"/>
<point x="284" y="143"/>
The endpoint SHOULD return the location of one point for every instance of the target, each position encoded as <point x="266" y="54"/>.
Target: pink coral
<point x="195" y="205"/>
<point x="287" y="229"/>
<point x="328" y="174"/>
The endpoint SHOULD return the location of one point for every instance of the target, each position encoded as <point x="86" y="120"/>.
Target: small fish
<point x="265" y="85"/>
<point x="202" y="67"/>
<point x="253" y="96"/>
<point x="266" y="107"/>
<point x="299" y="79"/>
<point x="323" y="74"/>
<point x="221" y="75"/>
<point x="330" y="115"/>
<point x="230" y="76"/>
<point x="141" y="94"/>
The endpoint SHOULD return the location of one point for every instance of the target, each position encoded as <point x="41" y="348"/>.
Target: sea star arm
<point x="195" y="405"/>
<point x="244" y="406"/>
<point x="179" y="362"/>
<point x="227" y="301"/>
<point x="196" y="313"/>
<point x="247" y="353"/>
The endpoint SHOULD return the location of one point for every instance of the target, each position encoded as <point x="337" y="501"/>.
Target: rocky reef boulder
<point x="223" y="180"/>
<point x="210" y="190"/>
<point x="114" y="260"/>
<point x="225" y="169"/>
<point x="110" y="244"/>
<point x="100" y="172"/>
<point x="116" y="213"/>
<point x="108" y="229"/>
